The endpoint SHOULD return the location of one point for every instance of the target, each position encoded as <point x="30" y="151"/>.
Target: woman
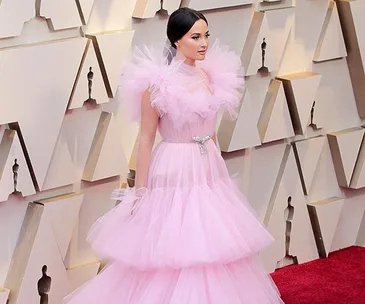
<point x="190" y="237"/>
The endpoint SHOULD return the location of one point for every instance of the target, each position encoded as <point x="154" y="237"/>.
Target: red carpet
<point x="339" y="279"/>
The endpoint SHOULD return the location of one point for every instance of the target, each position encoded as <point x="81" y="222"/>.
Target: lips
<point x="202" y="52"/>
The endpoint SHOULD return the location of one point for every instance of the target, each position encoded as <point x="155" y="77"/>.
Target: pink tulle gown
<point x="193" y="238"/>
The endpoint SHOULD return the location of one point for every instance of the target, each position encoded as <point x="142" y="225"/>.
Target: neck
<point x="179" y="56"/>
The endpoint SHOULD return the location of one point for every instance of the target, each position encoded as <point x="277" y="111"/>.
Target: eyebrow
<point x="199" y="33"/>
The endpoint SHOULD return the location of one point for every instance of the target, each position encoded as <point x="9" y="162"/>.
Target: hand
<point x="140" y="191"/>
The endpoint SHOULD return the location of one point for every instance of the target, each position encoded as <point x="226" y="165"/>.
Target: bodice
<point x="196" y="127"/>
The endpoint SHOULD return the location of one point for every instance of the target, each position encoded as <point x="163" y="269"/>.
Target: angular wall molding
<point x="12" y="214"/>
<point x="266" y="41"/>
<point x="358" y="175"/>
<point x="345" y="147"/>
<point x="307" y="154"/>
<point x="12" y="18"/>
<point x="38" y="247"/>
<point x="276" y="4"/>
<point x="39" y="113"/>
<point x="202" y="5"/>
<point x="352" y="21"/>
<point x="89" y="84"/>
<point x="105" y="159"/>
<point x="300" y="92"/>
<point x="79" y="275"/>
<point x="62" y="168"/>
<point x="287" y="218"/>
<point x="350" y="224"/>
<point x="80" y="251"/>
<point x="146" y="8"/>
<point x="324" y="217"/>
<point x="112" y="50"/>
<point x="60" y="14"/>
<point x="170" y="5"/>
<point x="331" y="44"/>
<point x="240" y="133"/>
<point x="259" y="29"/>
<point x="14" y="171"/>
<point x="274" y="122"/>
<point x="4" y="295"/>
<point x="85" y="7"/>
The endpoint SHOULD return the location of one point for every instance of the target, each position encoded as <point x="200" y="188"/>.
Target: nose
<point x="204" y="42"/>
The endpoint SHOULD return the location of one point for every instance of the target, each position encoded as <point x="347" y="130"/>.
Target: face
<point x="195" y="43"/>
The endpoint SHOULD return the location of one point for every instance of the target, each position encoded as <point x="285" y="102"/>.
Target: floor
<point x="338" y="279"/>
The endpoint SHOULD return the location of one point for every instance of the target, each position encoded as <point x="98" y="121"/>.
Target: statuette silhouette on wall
<point x="288" y="259"/>
<point x="289" y="215"/>
<point x="90" y="77"/>
<point x="263" y="69"/>
<point x="44" y="286"/>
<point x="312" y="124"/>
<point x="15" y="174"/>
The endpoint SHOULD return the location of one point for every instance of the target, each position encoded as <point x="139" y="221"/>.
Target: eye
<point x="207" y="35"/>
<point x="195" y="37"/>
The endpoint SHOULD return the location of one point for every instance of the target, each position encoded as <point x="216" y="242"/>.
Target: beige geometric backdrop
<point x="297" y="146"/>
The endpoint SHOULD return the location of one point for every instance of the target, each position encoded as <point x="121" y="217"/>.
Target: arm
<point x="214" y="138"/>
<point x="216" y="143"/>
<point x="147" y="135"/>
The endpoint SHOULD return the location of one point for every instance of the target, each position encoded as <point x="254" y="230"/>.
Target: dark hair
<point x="180" y="22"/>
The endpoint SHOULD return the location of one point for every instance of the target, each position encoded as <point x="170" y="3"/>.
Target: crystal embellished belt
<point x="201" y="142"/>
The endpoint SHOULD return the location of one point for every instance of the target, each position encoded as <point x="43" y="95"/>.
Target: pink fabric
<point x="194" y="238"/>
<point x="170" y="92"/>
<point x="240" y="282"/>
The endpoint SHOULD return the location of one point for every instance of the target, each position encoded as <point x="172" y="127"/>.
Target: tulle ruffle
<point x="243" y="281"/>
<point x="227" y="77"/>
<point x="123" y="194"/>
<point x="150" y="69"/>
<point x="181" y="228"/>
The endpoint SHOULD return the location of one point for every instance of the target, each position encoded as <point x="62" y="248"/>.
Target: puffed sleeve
<point x="146" y="70"/>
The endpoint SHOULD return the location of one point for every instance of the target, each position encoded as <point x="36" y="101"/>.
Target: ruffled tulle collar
<point x="171" y="94"/>
<point x="182" y="67"/>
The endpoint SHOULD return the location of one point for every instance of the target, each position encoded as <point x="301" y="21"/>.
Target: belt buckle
<point x="201" y="142"/>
